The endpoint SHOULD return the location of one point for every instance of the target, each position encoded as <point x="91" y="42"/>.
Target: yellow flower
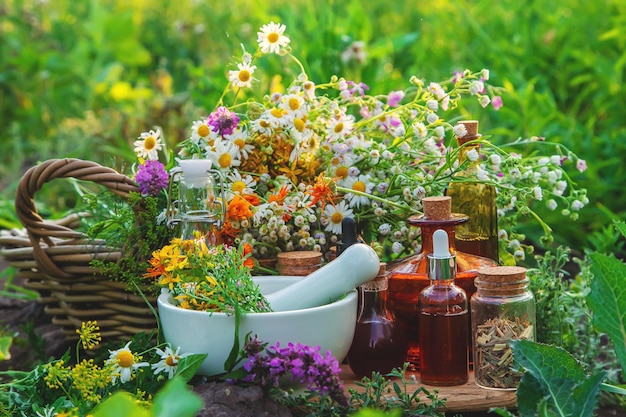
<point x="89" y="334"/>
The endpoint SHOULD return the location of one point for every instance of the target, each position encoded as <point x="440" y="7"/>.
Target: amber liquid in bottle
<point x="379" y="343"/>
<point x="479" y="235"/>
<point x="409" y="277"/>
<point x="444" y="325"/>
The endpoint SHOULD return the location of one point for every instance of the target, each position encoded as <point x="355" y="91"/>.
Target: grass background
<point x="83" y="78"/>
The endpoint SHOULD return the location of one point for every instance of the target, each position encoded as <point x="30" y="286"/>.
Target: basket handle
<point x="42" y="230"/>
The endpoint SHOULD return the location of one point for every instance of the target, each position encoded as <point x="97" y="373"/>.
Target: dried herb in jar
<point x="493" y="357"/>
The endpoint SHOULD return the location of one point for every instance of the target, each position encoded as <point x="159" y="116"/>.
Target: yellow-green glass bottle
<point x="479" y="235"/>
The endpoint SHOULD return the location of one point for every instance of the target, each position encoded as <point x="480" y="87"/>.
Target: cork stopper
<point x="300" y="258"/>
<point x="502" y="280"/>
<point x="437" y="208"/>
<point x="380" y="282"/>
<point x="472" y="131"/>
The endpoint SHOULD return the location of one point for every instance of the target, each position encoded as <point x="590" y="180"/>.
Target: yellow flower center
<point x="238" y="186"/>
<point x="240" y="143"/>
<point x="359" y="186"/>
<point x="225" y="160"/>
<point x="264" y="124"/>
<point x="338" y="127"/>
<point x="294" y="103"/>
<point x="336" y="218"/>
<point x="244" y="75"/>
<point x="276" y="112"/>
<point x="334" y="160"/>
<point x="273" y="37"/>
<point x="149" y="143"/>
<point x="298" y="123"/>
<point x="125" y="359"/>
<point x="171" y="360"/>
<point x="203" y="130"/>
<point x="342" y="172"/>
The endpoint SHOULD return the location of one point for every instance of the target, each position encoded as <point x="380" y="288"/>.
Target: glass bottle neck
<point x="464" y="150"/>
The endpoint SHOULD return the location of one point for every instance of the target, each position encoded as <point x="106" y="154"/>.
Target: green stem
<point x="373" y="197"/>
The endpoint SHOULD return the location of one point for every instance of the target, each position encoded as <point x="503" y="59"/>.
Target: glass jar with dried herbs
<point x="502" y="309"/>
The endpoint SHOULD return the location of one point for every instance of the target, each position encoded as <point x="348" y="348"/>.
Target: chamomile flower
<point x="360" y="183"/>
<point x="224" y="154"/>
<point x="340" y="127"/>
<point x="149" y="144"/>
<point x="333" y="216"/>
<point x="240" y="139"/>
<point x="201" y="132"/>
<point x="242" y="77"/>
<point x="123" y="363"/>
<point x="241" y="184"/>
<point x="169" y="361"/>
<point x="271" y="38"/>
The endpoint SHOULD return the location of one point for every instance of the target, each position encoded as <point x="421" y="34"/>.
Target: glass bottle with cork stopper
<point x="410" y="276"/>
<point x="502" y="309"/>
<point x="443" y="320"/>
<point x="379" y="344"/>
<point x="479" y="235"/>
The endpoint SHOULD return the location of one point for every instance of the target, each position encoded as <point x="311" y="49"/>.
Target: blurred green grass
<point x="83" y="78"/>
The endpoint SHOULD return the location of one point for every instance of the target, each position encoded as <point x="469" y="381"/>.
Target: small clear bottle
<point x="502" y="309"/>
<point x="201" y="205"/>
<point x="443" y="321"/>
<point x="379" y="343"/>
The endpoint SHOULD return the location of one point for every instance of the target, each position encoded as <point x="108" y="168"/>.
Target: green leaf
<point x="175" y="399"/>
<point x="189" y="365"/>
<point x="621" y="226"/>
<point x="607" y="300"/>
<point x="553" y="375"/>
<point x="5" y="347"/>
<point x="120" y="404"/>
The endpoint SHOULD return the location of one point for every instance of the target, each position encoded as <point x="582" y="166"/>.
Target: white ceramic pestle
<point x="357" y="265"/>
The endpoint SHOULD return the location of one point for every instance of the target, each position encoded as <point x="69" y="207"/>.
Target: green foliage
<point x="5" y="347"/>
<point x="555" y="380"/>
<point x="174" y="399"/>
<point x="608" y="300"/>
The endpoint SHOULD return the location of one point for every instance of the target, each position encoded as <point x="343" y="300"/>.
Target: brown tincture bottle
<point x="379" y="343"/>
<point x="444" y="323"/>
<point x="410" y="276"/>
<point x="479" y="236"/>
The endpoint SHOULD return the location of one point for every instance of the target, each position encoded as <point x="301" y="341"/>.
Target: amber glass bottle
<point x="410" y="276"/>
<point x="479" y="235"/>
<point x="444" y="323"/>
<point x="379" y="343"/>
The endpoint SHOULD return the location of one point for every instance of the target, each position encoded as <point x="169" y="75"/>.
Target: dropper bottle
<point x="443" y="320"/>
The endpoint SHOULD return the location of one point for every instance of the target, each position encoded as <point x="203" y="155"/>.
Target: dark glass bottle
<point x="479" y="235"/>
<point x="410" y="276"/>
<point x="444" y="323"/>
<point x="379" y="343"/>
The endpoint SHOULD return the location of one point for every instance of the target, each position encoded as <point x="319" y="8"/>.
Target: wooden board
<point x="461" y="398"/>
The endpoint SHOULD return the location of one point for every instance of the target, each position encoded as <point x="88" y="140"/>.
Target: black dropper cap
<point x="349" y="235"/>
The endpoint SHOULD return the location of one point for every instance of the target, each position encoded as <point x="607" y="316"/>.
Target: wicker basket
<point x="54" y="258"/>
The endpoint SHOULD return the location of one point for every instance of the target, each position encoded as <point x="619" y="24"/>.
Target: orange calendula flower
<point x="280" y="197"/>
<point x="247" y="251"/>
<point x="239" y="208"/>
<point x="322" y="191"/>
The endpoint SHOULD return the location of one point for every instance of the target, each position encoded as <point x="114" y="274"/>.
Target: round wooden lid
<point x="300" y="258"/>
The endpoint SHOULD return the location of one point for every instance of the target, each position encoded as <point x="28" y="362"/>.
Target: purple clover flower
<point x="223" y="121"/>
<point x="151" y="177"/>
<point x="304" y="364"/>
